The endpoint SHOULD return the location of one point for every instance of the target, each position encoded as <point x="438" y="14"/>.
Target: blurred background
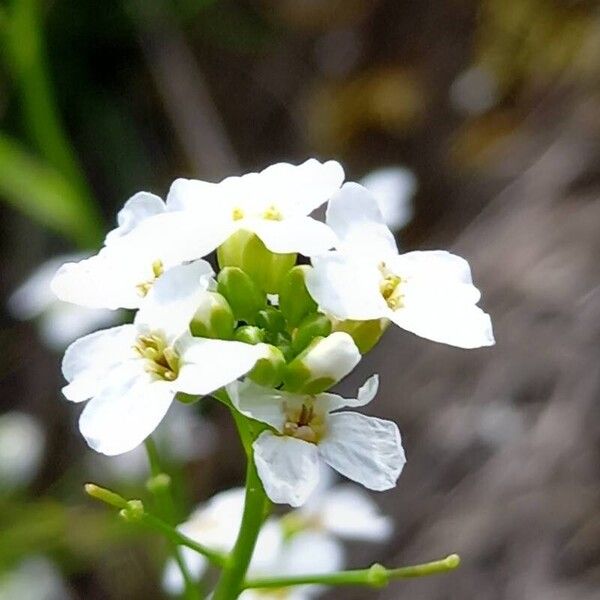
<point x="485" y="118"/>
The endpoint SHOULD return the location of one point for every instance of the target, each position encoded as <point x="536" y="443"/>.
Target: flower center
<point x="157" y="270"/>
<point x="237" y="214"/>
<point x="390" y="288"/>
<point x="272" y="214"/>
<point x="304" y="423"/>
<point x="161" y="359"/>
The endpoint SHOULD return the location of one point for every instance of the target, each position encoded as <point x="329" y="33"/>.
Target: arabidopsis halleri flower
<point x="394" y="188"/>
<point x="132" y="372"/>
<point x="306" y="552"/>
<point x="147" y="242"/>
<point x="275" y="204"/>
<point x="428" y="293"/>
<point x="59" y="322"/>
<point x="306" y="431"/>
<point x="216" y="525"/>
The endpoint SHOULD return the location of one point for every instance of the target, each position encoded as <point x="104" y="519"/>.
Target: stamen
<point x="157" y="270"/>
<point x="237" y="214"/>
<point x="272" y="214"/>
<point x="161" y="360"/>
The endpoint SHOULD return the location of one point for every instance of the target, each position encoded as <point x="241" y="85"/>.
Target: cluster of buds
<point x="272" y="334"/>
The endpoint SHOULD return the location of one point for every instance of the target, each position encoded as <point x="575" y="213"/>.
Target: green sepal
<point x="243" y="295"/>
<point x="268" y="371"/>
<point x="249" y="334"/>
<point x="312" y="326"/>
<point x="294" y="300"/>
<point x="213" y="318"/>
<point x="187" y="398"/>
<point x="271" y="319"/>
<point x="365" y="334"/>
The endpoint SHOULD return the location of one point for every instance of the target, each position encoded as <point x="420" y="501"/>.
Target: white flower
<point x="132" y="372"/>
<point x="147" y="242"/>
<point x="274" y="204"/>
<point x="35" y="578"/>
<point x="22" y="442"/>
<point x="429" y="293"/>
<point x="306" y="552"/>
<point x="393" y="187"/>
<point x="216" y="525"/>
<point x="345" y="511"/>
<point x="306" y="431"/>
<point x="59" y="322"/>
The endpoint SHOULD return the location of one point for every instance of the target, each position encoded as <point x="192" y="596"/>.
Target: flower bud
<point x="249" y="334"/>
<point x="312" y="326"/>
<point x="268" y="371"/>
<point x="365" y="334"/>
<point x="245" y="250"/>
<point x="213" y="318"/>
<point x="322" y="364"/>
<point x="294" y="300"/>
<point x="244" y="297"/>
<point x="271" y="319"/>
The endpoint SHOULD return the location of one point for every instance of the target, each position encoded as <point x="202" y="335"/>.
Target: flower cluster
<point x="268" y="335"/>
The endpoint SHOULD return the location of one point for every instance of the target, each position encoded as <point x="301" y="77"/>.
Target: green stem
<point x="376" y="576"/>
<point x="133" y="511"/>
<point x="230" y="584"/>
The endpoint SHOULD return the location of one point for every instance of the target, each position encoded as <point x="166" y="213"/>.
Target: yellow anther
<point x="272" y="214"/>
<point x="237" y="214"/>
<point x="157" y="270"/>
<point x="160" y="359"/>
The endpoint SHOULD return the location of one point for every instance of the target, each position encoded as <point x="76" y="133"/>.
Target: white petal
<point x="214" y="201"/>
<point x="174" y="298"/>
<point x="354" y="215"/>
<point x="207" y="365"/>
<point x="332" y="357"/>
<point x="349" y="512"/>
<point x="346" y="287"/>
<point x="301" y="234"/>
<point x="106" y="280"/>
<point x="269" y="545"/>
<point x="394" y="188"/>
<point x="287" y="467"/>
<point x="366" y="393"/>
<point x="262" y="404"/>
<point x="365" y="449"/>
<point x="432" y="265"/>
<point x="137" y="209"/>
<point x="300" y="189"/>
<point x="310" y="552"/>
<point x="122" y="416"/>
<point x="89" y="361"/>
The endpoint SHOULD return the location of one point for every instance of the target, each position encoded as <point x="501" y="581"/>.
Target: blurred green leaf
<point x="46" y="195"/>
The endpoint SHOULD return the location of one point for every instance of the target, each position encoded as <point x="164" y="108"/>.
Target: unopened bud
<point x="249" y="334"/>
<point x="312" y="326"/>
<point x="213" y="318"/>
<point x="268" y="371"/>
<point x="271" y="319"/>
<point x="365" y="334"/>
<point x="294" y="300"/>
<point x="322" y="364"/>
<point x="133" y="512"/>
<point x="245" y="250"/>
<point x="243" y="295"/>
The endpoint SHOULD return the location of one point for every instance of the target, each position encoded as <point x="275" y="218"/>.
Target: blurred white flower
<point x="36" y="578"/>
<point x="59" y="322"/>
<point x="474" y="91"/>
<point x="306" y="431"/>
<point x="428" y="293"/>
<point x="216" y="525"/>
<point x="22" y="442"/>
<point x="394" y="188"/>
<point x="306" y="552"/>
<point x="132" y="372"/>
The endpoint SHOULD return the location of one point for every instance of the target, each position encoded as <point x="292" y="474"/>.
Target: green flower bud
<point x="187" y="398"/>
<point x="245" y="250"/>
<point x="249" y="334"/>
<point x="312" y="326"/>
<point x="323" y="363"/>
<point x="268" y="371"/>
<point x="294" y="300"/>
<point x="271" y="319"/>
<point x="213" y="318"/>
<point x="365" y="334"/>
<point x="244" y="297"/>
